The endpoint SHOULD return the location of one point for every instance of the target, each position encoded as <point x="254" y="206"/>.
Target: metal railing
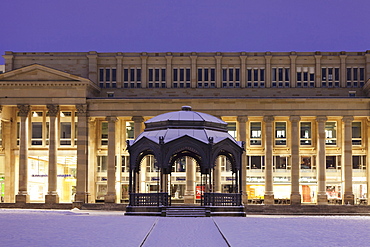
<point x="150" y="199"/>
<point x="222" y="199"/>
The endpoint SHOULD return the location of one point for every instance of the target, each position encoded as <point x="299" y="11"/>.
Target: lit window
<point x="255" y="133"/>
<point x="331" y="133"/>
<point x="104" y="133"/>
<point x="231" y="129"/>
<point x="280" y="133"/>
<point x="305" y="135"/>
<point x="356" y="133"/>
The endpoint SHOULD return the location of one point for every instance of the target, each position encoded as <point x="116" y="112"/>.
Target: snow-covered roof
<point x="173" y="125"/>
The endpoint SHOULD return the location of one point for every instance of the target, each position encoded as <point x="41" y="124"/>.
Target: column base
<point x="81" y="197"/>
<point x="189" y="199"/>
<point x="23" y="198"/>
<point x="52" y="198"/>
<point x="269" y="199"/>
<point x="295" y="199"/>
<point x="348" y="199"/>
<point x="110" y="198"/>
<point x="244" y="198"/>
<point x="322" y="199"/>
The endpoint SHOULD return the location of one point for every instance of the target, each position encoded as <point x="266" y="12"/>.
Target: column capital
<point x="193" y="58"/>
<point x="24" y="110"/>
<point x="294" y="118"/>
<point x="53" y="110"/>
<point x="347" y="119"/>
<point x="242" y="119"/>
<point x="111" y="119"/>
<point x="168" y="58"/>
<point x="81" y="109"/>
<point x="268" y="119"/>
<point x="137" y="119"/>
<point x="321" y="119"/>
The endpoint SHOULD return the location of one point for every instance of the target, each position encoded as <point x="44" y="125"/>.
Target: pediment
<point x="36" y="72"/>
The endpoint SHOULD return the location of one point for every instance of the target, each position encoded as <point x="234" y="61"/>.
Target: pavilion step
<point x="186" y="212"/>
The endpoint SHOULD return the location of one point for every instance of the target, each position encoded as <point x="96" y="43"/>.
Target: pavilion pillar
<point x="295" y="196"/>
<point x="242" y="136"/>
<point x="23" y="196"/>
<point x="348" y="197"/>
<point x="82" y="154"/>
<point x="217" y="176"/>
<point x="322" y="198"/>
<point x="189" y="197"/>
<point x="110" y="197"/>
<point x="52" y="195"/>
<point x="269" y="193"/>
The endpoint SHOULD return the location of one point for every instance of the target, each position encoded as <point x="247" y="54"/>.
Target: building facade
<point x="304" y="118"/>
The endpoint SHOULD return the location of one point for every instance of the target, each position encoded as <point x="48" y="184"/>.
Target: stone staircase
<point x="185" y="212"/>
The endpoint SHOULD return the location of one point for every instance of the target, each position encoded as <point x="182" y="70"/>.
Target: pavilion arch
<point x="171" y="136"/>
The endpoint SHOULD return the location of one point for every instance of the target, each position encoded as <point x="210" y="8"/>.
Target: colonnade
<point x="82" y="193"/>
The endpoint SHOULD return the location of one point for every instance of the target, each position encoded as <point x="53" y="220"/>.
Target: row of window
<point x="255" y="77"/>
<point x="254" y="163"/>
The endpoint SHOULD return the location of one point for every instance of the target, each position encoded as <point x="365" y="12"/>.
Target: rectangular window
<point x="175" y="77"/>
<point x="323" y="74"/>
<point x="150" y="74"/>
<point x="262" y="74"/>
<point x="206" y="77"/>
<point x="280" y="74"/>
<point x="305" y="136"/>
<point x="280" y="163"/>
<point x="200" y="74"/>
<point x="359" y="162"/>
<point x="349" y="74"/>
<point x="356" y="133"/>
<point x="306" y="162"/>
<point x="36" y="133"/>
<point x="331" y="162"/>
<point x="138" y="74"/>
<point x="182" y="75"/>
<point x="224" y="74"/>
<point x="130" y="130"/>
<point x="156" y="75"/>
<point x="336" y="74"/>
<point x="331" y="133"/>
<point x="102" y="163"/>
<point x="101" y="74"/>
<point x="187" y="74"/>
<point x="280" y="133"/>
<point x="114" y="74"/>
<point x="249" y="75"/>
<point x="256" y="162"/>
<point x="231" y="129"/>
<point x="132" y="74"/>
<point x="231" y="74"/>
<point x="362" y="74"/>
<point x="237" y="74"/>
<point x="255" y="133"/>
<point x="107" y="75"/>
<point x="125" y="163"/>
<point x="213" y="75"/>
<point x="104" y="134"/>
<point x="125" y="75"/>
<point x="65" y="133"/>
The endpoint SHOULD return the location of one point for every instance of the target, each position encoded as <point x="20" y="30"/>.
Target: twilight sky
<point x="184" y="25"/>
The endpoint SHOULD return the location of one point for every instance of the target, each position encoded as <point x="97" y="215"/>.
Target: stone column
<point x="293" y="58"/>
<point x="295" y="196"/>
<point x="243" y="59"/>
<point x="343" y="69"/>
<point x="269" y="193"/>
<point x="82" y="154"/>
<point x="217" y="176"/>
<point x="144" y="79"/>
<point x="318" y="69"/>
<point x="242" y="136"/>
<point x="9" y="139"/>
<point x="92" y="160"/>
<point x="23" y="196"/>
<point x="92" y="58"/>
<point x="268" y="69"/>
<point x="348" y="197"/>
<point x="367" y="143"/>
<point x="193" y="70"/>
<point x="138" y="125"/>
<point x="322" y="198"/>
<point x="189" y="197"/>
<point x="110" y="197"/>
<point x="52" y="195"/>
<point x="218" y="58"/>
<point x="168" y="70"/>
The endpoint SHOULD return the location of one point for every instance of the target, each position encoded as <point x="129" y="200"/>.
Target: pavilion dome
<point x="173" y="125"/>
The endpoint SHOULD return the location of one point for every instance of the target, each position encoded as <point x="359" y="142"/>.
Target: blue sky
<point x="184" y="25"/>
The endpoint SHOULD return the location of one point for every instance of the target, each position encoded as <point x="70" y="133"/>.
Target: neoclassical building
<point x="304" y="118"/>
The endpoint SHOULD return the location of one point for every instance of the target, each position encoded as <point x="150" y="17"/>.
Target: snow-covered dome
<point x="172" y="125"/>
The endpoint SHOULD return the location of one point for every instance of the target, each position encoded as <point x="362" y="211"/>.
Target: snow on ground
<point x="99" y="228"/>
